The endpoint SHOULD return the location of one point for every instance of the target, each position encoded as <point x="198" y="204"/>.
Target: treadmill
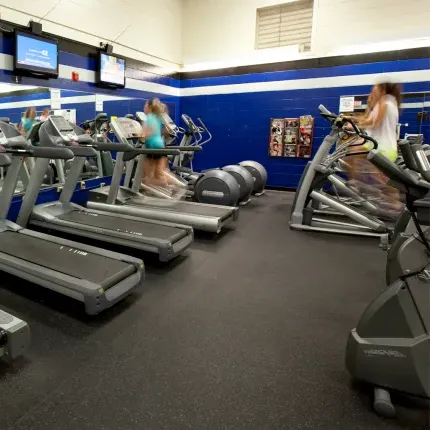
<point x="122" y="200"/>
<point x="94" y="276"/>
<point x="167" y="240"/>
<point x="14" y="333"/>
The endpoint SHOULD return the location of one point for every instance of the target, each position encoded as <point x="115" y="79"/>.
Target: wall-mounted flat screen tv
<point x="111" y="70"/>
<point x="35" y="55"/>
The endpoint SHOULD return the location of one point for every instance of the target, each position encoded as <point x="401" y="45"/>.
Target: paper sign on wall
<point x="72" y="116"/>
<point x="346" y="104"/>
<point x="99" y="103"/>
<point x="55" y="99"/>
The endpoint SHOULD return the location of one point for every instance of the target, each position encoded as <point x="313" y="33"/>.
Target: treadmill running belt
<point x="101" y="270"/>
<point x="181" y="206"/>
<point x="140" y="229"/>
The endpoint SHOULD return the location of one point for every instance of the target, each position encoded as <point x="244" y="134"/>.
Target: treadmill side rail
<point x="16" y="336"/>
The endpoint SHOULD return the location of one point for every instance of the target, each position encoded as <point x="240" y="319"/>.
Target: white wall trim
<point x="152" y="87"/>
<point x="64" y="101"/>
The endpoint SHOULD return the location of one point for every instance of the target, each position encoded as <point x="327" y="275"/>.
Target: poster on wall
<point x="99" y="103"/>
<point x="55" y="98"/>
<point x="276" y="133"/>
<point x="306" y="136"/>
<point x="346" y="104"/>
<point x="291" y="137"/>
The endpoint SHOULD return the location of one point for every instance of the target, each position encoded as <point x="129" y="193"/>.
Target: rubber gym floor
<point x="247" y="331"/>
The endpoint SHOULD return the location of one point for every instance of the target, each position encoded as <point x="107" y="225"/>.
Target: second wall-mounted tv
<point x="111" y="70"/>
<point x="35" y="55"/>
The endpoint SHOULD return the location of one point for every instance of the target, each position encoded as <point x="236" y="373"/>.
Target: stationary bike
<point x="390" y="347"/>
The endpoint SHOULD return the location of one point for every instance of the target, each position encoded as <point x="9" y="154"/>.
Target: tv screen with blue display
<point x="36" y="55"/>
<point x="111" y="70"/>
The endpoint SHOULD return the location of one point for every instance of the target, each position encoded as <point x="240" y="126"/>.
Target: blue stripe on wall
<point x="75" y="60"/>
<point x="323" y="72"/>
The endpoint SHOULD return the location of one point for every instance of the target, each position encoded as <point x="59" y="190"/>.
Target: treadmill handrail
<point x="129" y="155"/>
<point x="112" y="146"/>
<point x="55" y="153"/>
<point x="83" y="151"/>
<point x="17" y="142"/>
<point x="50" y="152"/>
<point x="189" y="148"/>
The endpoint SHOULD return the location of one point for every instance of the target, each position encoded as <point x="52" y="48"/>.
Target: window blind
<point x="283" y="25"/>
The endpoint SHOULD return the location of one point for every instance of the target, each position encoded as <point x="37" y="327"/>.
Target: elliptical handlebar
<point x="325" y="112"/>
<point x="340" y="120"/>
<point x="204" y="129"/>
<point x="421" y="160"/>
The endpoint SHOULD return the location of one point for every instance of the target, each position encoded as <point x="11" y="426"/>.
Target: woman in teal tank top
<point x="155" y="167"/>
<point x="27" y="120"/>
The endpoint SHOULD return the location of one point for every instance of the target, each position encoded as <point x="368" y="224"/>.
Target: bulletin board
<point x="291" y="137"/>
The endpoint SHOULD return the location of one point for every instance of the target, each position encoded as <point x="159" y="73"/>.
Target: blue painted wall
<point x="240" y="122"/>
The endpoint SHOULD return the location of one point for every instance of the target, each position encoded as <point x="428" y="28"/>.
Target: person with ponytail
<point x="382" y="117"/>
<point x="380" y="122"/>
<point x="155" y="167"/>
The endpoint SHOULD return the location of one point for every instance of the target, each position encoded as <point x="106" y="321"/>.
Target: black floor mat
<point x="247" y="332"/>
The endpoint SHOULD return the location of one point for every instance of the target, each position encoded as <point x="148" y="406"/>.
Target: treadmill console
<point x="127" y="128"/>
<point x="171" y="127"/>
<point x="63" y="128"/>
<point x="11" y="137"/>
<point x="141" y="117"/>
<point x="189" y="123"/>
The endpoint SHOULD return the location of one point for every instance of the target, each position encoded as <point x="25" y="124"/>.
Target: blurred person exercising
<point x="45" y="115"/>
<point x="155" y="167"/>
<point x="380" y="122"/>
<point x="27" y="120"/>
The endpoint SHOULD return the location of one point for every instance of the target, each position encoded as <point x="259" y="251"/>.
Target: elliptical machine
<point x="243" y="176"/>
<point x="212" y="186"/>
<point x="390" y="347"/>
<point x="259" y="176"/>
